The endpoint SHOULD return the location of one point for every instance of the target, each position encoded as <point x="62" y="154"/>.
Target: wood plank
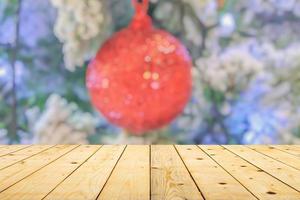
<point x="278" y="155"/>
<point x="22" y="154"/>
<point x="2" y="146"/>
<point x="88" y="180"/>
<point x="169" y="176"/>
<point x="22" y="169"/>
<point x="291" y="149"/>
<point x="285" y="173"/>
<point x="213" y="181"/>
<point x="40" y="183"/>
<point x="130" y="179"/>
<point x="12" y="148"/>
<point x="261" y="184"/>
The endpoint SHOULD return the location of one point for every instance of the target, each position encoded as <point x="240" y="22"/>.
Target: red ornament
<point x="141" y="77"/>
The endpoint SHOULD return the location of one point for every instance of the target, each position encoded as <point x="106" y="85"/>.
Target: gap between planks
<point x="170" y="178"/>
<point x="11" y="149"/>
<point x="22" y="154"/>
<point x="21" y="170"/>
<point x="187" y="171"/>
<point x="130" y="178"/>
<point x="282" y="172"/>
<point x="210" y="177"/>
<point x="50" y="175"/>
<point x="89" y="179"/>
<point x="291" y="149"/>
<point x="249" y="175"/>
<point x="278" y="155"/>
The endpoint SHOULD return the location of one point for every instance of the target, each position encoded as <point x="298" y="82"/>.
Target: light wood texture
<point x="88" y="180"/>
<point x="11" y="149"/>
<point x="21" y="154"/>
<point x="291" y="149"/>
<point x="130" y="179"/>
<point x="143" y="172"/>
<point x="278" y="155"/>
<point x="39" y="184"/>
<point x="259" y="183"/>
<point x="11" y="175"/>
<point x="213" y="181"/>
<point x="285" y="173"/>
<point x="169" y="177"/>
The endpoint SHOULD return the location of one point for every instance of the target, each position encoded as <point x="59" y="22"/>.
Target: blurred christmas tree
<point x="246" y="57"/>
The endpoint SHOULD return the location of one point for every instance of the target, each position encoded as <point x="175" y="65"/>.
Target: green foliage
<point x="213" y="95"/>
<point x="8" y="8"/>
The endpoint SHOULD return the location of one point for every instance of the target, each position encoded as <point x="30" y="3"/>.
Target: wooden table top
<point x="156" y="172"/>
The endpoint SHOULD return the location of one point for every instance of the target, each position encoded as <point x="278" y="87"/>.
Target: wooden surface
<point x="143" y="172"/>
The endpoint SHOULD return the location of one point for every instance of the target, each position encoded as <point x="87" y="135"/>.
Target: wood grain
<point x="88" y="180"/>
<point x="130" y="179"/>
<point x="169" y="177"/>
<point x="22" y="169"/>
<point x="213" y="181"/>
<point x="11" y="149"/>
<point x="21" y="154"/>
<point x="143" y="172"/>
<point x="283" y="172"/>
<point x="40" y="183"/>
<point x="259" y="183"/>
<point x="278" y="155"/>
<point x="291" y="149"/>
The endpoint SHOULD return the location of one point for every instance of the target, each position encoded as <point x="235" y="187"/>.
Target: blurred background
<point x="246" y="70"/>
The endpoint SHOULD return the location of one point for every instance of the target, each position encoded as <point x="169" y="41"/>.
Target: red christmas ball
<point x="140" y="79"/>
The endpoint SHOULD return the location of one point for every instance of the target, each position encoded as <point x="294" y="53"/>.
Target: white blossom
<point x="284" y="67"/>
<point x="271" y="6"/>
<point x="78" y="26"/>
<point x="227" y="25"/>
<point x="61" y="122"/>
<point x="230" y="71"/>
<point x="196" y="109"/>
<point x="150" y="138"/>
<point x="284" y="87"/>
